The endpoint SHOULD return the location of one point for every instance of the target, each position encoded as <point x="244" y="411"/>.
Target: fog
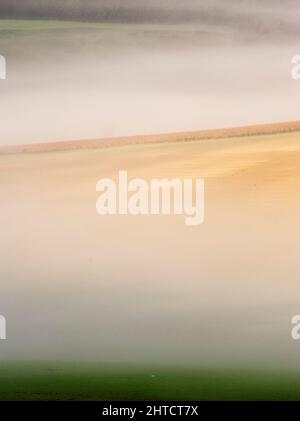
<point x="87" y="82"/>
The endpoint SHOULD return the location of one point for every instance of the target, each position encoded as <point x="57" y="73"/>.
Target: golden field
<point x="149" y="288"/>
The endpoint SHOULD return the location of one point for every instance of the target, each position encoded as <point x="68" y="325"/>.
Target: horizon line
<point x="182" y="136"/>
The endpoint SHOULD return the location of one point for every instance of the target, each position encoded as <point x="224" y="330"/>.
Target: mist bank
<point x="125" y="80"/>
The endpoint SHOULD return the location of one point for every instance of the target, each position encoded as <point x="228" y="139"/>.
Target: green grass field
<point x="41" y="381"/>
